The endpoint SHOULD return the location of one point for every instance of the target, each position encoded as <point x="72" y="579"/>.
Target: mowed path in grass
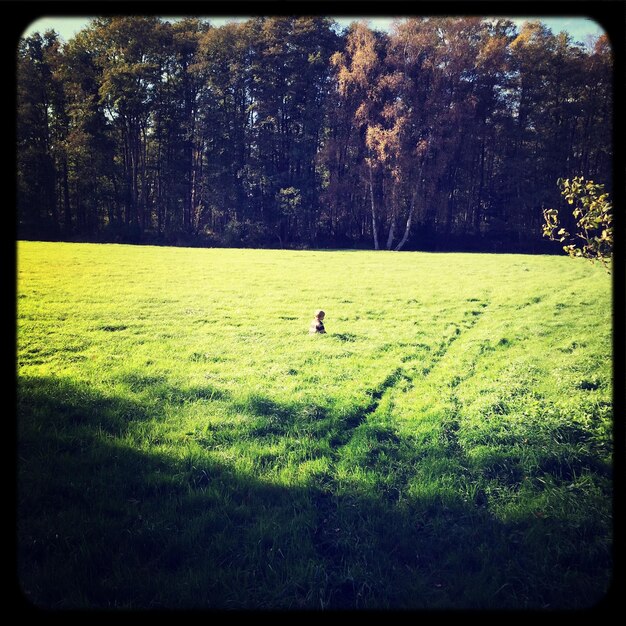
<point x="183" y="441"/>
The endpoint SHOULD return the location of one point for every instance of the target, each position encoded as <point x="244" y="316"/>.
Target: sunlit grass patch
<point x="184" y="442"/>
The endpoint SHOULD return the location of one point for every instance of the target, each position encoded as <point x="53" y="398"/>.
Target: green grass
<point x="184" y="443"/>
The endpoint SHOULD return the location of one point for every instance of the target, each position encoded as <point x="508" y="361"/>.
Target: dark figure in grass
<point x="317" y="325"/>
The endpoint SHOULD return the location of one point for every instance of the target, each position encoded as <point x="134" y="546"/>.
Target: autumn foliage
<point x="286" y="131"/>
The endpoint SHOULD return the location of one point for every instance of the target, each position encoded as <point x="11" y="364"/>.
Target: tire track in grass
<point x="407" y="374"/>
<point x="331" y="520"/>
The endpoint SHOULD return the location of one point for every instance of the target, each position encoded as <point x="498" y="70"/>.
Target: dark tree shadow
<point x="105" y="523"/>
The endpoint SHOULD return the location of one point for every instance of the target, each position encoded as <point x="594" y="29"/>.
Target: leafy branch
<point x="593" y="212"/>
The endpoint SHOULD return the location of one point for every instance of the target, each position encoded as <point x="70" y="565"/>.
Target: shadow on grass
<point x="102" y="524"/>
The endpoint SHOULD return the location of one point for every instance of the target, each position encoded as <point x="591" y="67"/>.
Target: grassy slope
<point x="183" y="442"/>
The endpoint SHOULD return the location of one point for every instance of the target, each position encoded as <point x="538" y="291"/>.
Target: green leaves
<point x="594" y="220"/>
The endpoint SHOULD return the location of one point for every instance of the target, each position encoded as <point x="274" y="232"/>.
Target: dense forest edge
<point x="445" y="134"/>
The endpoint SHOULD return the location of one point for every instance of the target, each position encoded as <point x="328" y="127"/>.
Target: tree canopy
<point x="446" y="133"/>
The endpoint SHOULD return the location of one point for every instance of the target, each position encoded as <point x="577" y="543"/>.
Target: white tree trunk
<point x="407" y="228"/>
<point x="374" y="229"/>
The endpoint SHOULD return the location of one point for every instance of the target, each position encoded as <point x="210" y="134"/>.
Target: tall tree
<point x="224" y="60"/>
<point x="93" y="178"/>
<point x="359" y="72"/>
<point x="41" y="131"/>
<point x="290" y="73"/>
<point x="126" y="52"/>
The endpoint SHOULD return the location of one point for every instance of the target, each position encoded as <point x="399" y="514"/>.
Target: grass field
<point x="184" y="443"/>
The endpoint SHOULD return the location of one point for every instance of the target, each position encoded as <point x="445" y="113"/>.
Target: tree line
<point x="446" y="133"/>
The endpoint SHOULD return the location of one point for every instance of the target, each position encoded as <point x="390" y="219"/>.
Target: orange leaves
<point x="377" y="140"/>
<point x="492" y="54"/>
<point x="386" y="143"/>
<point x="361" y="114"/>
<point x="392" y="81"/>
<point x="356" y="68"/>
<point x="364" y="62"/>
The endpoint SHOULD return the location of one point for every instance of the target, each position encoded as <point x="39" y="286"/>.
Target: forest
<point x="447" y="133"/>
